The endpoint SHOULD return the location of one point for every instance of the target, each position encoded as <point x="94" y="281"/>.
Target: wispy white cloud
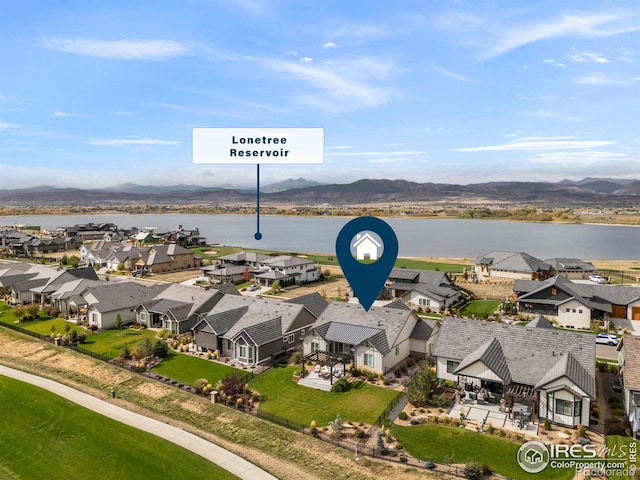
<point x="587" y="57"/>
<point x="60" y="114"/>
<point x="120" y="49"/>
<point x="329" y="45"/>
<point x="341" y="84"/>
<point x="390" y="160"/>
<point x="306" y="59"/>
<point x="126" y="142"/>
<point x="376" y="154"/>
<point x="338" y="147"/>
<point x="359" y="33"/>
<point x="456" y="76"/>
<point x="554" y="62"/>
<point x="554" y="116"/>
<point x="578" y="24"/>
<point x="7" y="126"/>
<point x="531" y="144"/>
<point x="599" y="78"/>
<point x="589" y="157"/>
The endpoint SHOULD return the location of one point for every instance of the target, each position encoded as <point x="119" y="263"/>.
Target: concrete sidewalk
<point x="212" y="452"/>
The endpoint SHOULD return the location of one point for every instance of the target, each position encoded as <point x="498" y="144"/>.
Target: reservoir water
<point x="416" y="237"/>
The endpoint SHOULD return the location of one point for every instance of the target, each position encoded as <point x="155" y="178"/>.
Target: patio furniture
<point x="317" y="369"/>
<point x="473" y="395"/>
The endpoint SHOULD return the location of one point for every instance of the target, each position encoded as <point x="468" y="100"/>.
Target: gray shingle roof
<point x="221" y="322"/>
<point x="388" y="322"/>
<point x="314" y="302"/>
<point x="530" y="353"/>
<point x="540" y="322"/>
<point x="423" y="329"/>
<point x="284" y="261"/>
<point x="630" y="345"/>
<point x="118" y="295"/>
<point x="570" y="265"/>
<point x="264" y="333"/>
<point x="512" y="261"/>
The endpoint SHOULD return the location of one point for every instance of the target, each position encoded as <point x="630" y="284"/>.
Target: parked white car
<point x="607" y="339"/>
<point x="597" y="278"/>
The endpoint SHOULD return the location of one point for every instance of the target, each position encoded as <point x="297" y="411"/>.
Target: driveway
<point x="607" y="352"/>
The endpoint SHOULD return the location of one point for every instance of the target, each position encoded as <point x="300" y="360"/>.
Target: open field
<point x="285" y="454"/>
<point x="50" y="437"/>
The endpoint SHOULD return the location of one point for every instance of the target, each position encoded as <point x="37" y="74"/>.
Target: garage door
<point x="635" y="313"/>
<point x="619" y="311"/>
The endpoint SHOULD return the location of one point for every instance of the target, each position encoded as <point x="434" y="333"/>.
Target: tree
<point x="74" y="261"/>
<point x="142" y="349"/>
<point x="275" y="286"/>
<point x="121" y="267"/>
<point x="420" y="390"/>
<point x="118" y="323"/>
<point x="246" y="275"/>
<point x="64" y="260"/>
<point x="160" y="349"/>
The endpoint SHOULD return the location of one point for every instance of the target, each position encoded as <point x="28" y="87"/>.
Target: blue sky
<point x="100" y="93"/>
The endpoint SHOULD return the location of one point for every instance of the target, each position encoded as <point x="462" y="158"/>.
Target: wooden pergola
<point x="526" y="392"/>
<point x="331" y="359"/>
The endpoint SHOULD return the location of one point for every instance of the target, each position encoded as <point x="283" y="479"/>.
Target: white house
<point x="366" y="246"/>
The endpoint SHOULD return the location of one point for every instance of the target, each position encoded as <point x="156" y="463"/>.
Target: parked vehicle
<point x="617" y="386"/>
<point x="597" y="278"/>
<point x="253" y="287"/>
<point x="607" y="339"/>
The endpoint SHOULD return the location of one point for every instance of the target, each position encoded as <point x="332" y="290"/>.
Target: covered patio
<point x="326" y="363"/>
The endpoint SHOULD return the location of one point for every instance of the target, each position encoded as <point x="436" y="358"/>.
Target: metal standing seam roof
<point x="491" y="355"/>
<point x="569" y="367"/>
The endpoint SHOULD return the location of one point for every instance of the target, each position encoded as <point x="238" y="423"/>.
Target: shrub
<point x="601" y="366"/>
<point x="82" y="337"/>
<point x="160" y="349"/>
<point x="486" y="470"/>
<point x="439" y="401"/>
<point x="142" y="349"/>
<point x="613" y="368"/>
<point x="200" y="384"/>
<point x="232" y="385"/>
<point x="547" y="424"/>
<point x="340" y="385"/>
<point x="402" y="415"/>
<point x="358" y="433"/>
<point x="125" y="352"/>
<point x="472" y="471"/>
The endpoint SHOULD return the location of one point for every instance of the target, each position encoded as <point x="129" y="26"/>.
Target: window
<point x="577" y="408"/>
<point x="451" y="366"/>
<point x="564" y="407"/>
<point x="424" y="302"/>
<point x="94" y="317"/>
<point x="397" y="351"/>
<point x="292" y="338"/>
<point x="368" y="360"/>
<point x="229" y="345"/>
<point x="568" y="310"/>
<point x="243" y="351"/>
<point x="315" y="346"/>
<point x="573" y="310"/>
<point x="579" y="310"/>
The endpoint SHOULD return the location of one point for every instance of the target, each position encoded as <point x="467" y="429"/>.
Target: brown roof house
<point x="629" y="364"/>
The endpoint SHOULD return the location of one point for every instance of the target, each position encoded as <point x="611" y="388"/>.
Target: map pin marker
<point x="367" y="279"/>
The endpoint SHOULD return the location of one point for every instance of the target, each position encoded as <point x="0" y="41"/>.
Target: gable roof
<point x="221" y="322"/>
<point x="263" y="333"/>
<point x="380" y="325"/>
<point x="119" y="295"/>
<point x="314" y="302"/>
<point x="284" y="261"/>
<point x="540" y="322"/>
<point x="568" y="366"/>
<point x="529" y="353"/>
<point x="562" y="264"/>
<point x="490" y="355"/>
<point x="512" y="261"/>
<point x="424" y="329"/>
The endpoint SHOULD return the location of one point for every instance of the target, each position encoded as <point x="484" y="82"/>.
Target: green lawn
<point x="439" y="443"/>
<point x="110" y="342"/>
<point x="187" y="369"/>
<point x="280" y="395"/>
<point x="46" y="436"/>
<point x="619" y="449"/>
<point x="478" y="308"/>
<point x="43" y="325"/>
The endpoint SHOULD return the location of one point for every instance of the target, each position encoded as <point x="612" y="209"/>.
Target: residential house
<point x="125" y="255"/>
<point x="512" y="265"/>
<point x="166" y="258"/>
<point x="228" y="273"/>
<point x="68" y="299"/>
<point x="423" y="289"/>
<point x="571" y="268"/>
<point x="185" y="238"/>
<point x="106" y="302"/>
<point x="253" y="330"/>
<point x="287" y="269"/>
<point x="251" y="259"/>
<point x="553" y="371"/>
<point x="177" y="308"/>
<point x="577" y="304"/>
<point x="377" y="340"/>
<point x="629" y="371"/>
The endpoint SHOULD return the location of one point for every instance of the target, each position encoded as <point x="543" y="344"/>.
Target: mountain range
<point x="588" y="191"/>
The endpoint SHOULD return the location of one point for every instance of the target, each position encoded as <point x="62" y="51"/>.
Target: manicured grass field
<point x="281" y="396"/>
<point x="479" y="308"/>
<point x="619" y="448"/>
<point x="187" y="369"/>
<point x="439" y="443"/>
<point x="111" y="342"/>
<point x="45" y="436"/>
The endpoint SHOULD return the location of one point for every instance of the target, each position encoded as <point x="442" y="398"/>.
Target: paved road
<point x="212" y="452"/>
<point x="607" y="352"/>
